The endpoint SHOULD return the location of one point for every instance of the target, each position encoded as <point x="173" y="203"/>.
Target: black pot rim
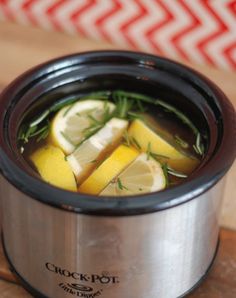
<point x="206" y="177"/>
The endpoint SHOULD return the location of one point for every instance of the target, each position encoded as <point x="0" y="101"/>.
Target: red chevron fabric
<point x="202" y="31"/>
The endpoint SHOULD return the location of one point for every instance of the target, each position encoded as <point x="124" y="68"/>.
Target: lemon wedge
<point x="53" y="168"/>
<point x="90" y="153"/>
<point x="149" y="140"/>
<point x="143" y="175"/>
<point x="108" y="170"/>
<point x="72" y="123"/>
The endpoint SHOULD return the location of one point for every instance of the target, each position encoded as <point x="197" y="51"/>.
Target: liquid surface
<point x="112" y="143"/>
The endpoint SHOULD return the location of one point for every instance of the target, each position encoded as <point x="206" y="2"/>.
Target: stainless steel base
<point x="64" y="254"/>
<point x="35" y="293"/>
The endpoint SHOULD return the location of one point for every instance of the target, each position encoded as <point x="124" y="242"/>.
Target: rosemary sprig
<point x="67" y="138"/>
<point x="158" y="157"/>
<point x="129" y="140"/>
<point x="67" y="110"/>
<point x="99" y="162"/>
<point x="181" y="142"/>
<point x="94" y="120"/>
<point x="165" y="105"/>
<point x="32" y="131"/>
<point x="134" y="96"/>
<point x="120" y="185"/>
<point x="67" y="102"/>
<point x="148" y="152"/>
<point x="135" y="143"/>
<point x="94" y="161"/>
<point x="133" y="115"/>
<point x="102" y="95"/>
<point x="43" y="132"/>
<point x="198" y="146"/>
<point x="175" y="173"/>
<point x="126" y="137"/>
<point x="39" y="119"/>
<point x="96" y="124"/>
<point x="107" y="115"/>
<point x="165" y="172"/>
<point x="35" y="127"/>
<point x="89" y="131"/>
<point x="123" y="105"/>
<point x="165" y="167"/>
<point x="178" y="114"/>
<point x="141" y="107"/>
<point x="26" y="132"/>
<point x="137" y="98"/>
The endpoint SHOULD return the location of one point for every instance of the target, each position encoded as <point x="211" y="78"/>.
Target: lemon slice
<point x="108" y="170"/>
<point x="149" y="140"/>
<point x="90" y="153"/>
<point x="53" y="168"/>
<point x="71" y="124"/>
<point x="143" y="175"/>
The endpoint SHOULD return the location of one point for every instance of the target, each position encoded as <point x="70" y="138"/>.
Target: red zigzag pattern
<point x="202" y="31"/>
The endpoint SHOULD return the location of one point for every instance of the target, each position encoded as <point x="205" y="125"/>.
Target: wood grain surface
<point x="219" y="283"/>
<point x="24" y="47"/>
<point x="9" y="290"/>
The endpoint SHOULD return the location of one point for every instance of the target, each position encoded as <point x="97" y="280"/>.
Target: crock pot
<point x="64" y="244"/>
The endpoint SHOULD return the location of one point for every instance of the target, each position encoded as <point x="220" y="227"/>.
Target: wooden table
<point x="24" y="47"/>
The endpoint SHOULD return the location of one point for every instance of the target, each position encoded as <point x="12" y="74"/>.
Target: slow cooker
<point x="65" y="244"/>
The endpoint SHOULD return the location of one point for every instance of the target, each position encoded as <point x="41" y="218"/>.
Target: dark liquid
<point x="160" y="120"/>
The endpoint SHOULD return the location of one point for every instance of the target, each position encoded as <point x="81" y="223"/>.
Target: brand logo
<point x="103" y="278"/>
<point x="80" y="290"/>
<point x="85" y="284"/>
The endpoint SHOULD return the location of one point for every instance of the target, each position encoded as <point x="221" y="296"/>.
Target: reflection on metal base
<point x="37" y="294"/>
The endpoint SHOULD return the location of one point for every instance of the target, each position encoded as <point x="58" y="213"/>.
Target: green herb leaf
<point x="67" y="138"/>
<point x="140" y="106"/>
<point x="102" y="95"/>
<point x="158" y="156"/>
<point x="126" y="139"/>
<point x="43" y="133"/>
<point x="39" y="119"/>
<point x="165" y="172"/>
<point x="123" y="105"/>
<point x="148" y="151"/>
<point x="181" y="142"/>
<point x="199" y="147"/>
<point x="93" y="161"/>
<point x="135" y="142"/>
<point x="27" y="132"/>
<point x="67" y="110"/>
<point x="176" y="173"/>
<point x="94" y="121"/>
<point x="63" y="103"/>
<point x="132" y="115"/>
<point x="120" y="185"/>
